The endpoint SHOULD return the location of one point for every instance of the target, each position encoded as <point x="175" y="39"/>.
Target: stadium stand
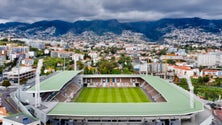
<point x="67" y="93"/>
<point x="151" y="92"/>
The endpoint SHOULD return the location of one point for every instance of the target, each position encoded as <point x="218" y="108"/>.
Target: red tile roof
<point x="209" y="70"/>
<point x="182" y="67"/>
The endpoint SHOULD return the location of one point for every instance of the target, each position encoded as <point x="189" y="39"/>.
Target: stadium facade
<point x="171" y="105"/>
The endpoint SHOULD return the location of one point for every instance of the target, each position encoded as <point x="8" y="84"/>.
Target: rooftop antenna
<point x="37" y="84"/>
<point x="191" y="92"/>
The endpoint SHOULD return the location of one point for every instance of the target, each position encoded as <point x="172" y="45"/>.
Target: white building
<point x="211" y="72"/>
<point x="46" y="51"/>
<point x="15" y="52"/>
<point x="210" y="59"/>
<point x="32" y="54"/>
<point x="39" y="45"/>
<point x="25" y="72"/>
<point x="3" y="48"/>
<point x="93" y="55"/>
<point x="19" y="49"/>
<point x="77" y="57"/>
<point x="27" y="62"/>
<point x="184" y="71"/>
<point x="2" y="59"/>
<point x="61" y="54"/>
<point x="173" y="57"/>
<point x="20" y="119"/>
<point x="151" y="67"/>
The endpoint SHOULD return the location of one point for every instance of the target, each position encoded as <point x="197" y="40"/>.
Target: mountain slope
<point x="153" y="30"/>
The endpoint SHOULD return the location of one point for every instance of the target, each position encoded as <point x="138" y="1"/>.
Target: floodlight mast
<point x="75" y="58"/>
<point x="18" y="67"/>
<point x="191" y="91"/>
<point x="37" y="84"/>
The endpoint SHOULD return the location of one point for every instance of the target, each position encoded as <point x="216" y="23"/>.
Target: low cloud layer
<point x="123" y="10"/>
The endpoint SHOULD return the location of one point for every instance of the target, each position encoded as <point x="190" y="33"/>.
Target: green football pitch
<point x="112" y="95"/>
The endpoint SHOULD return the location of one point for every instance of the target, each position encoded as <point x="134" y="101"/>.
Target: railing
<point x="19" y="104"/>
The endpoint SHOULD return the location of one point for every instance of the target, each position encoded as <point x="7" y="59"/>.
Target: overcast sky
<point x="123" y="10"/>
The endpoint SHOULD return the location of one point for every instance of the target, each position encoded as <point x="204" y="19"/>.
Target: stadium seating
<point x="151" y="92"/>
<point x="67" y="93"/>
<point x="45" y="95"/>
<point x="60" y="97"/>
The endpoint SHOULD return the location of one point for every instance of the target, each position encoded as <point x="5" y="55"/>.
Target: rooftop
<point x="22" y="118"/>
<point x="182" y="67"/>
<point x="56" y="82"/>
<point x="22" y="70"/>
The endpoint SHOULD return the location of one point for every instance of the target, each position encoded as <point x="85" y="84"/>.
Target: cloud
<point x="123" y="10"/>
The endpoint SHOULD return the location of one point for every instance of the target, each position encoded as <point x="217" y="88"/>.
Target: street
<point x="7" y="102"/>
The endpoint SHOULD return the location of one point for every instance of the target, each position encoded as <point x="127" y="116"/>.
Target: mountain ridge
<point x="153" y="30"/>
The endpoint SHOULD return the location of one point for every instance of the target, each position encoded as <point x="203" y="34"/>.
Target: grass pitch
<point x="112" y="95"/>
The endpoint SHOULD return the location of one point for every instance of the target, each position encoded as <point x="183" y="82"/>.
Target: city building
<point x="211" y="72"/>
<point x="2" y="59"/>
<point x="151" y="68"/>
<point x="27" y="62"/>
<point x="38" y="45"/>
<point x="171" y="57"/>
<point x="210" y="59"/>
<point x="25" y="72"/>
<point x="19" y="49"/>
<point x="32" y="53"/>
<point x="61" y="54"/>
<point x="184" y="71"/>
<point x="20" y="119"/>
<point x="77" y="57"/>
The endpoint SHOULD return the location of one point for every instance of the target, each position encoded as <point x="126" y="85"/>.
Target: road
<point x="216" y="120"/>
<point x="7" y="102"/>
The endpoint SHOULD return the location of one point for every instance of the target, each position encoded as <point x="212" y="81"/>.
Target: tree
<point x="107" y="66"/>
<point x="170" y="61"/>
<point x="116" y="71"/>
<point x="86" y="56"/>
<point x="23" y="81"/>
<point x="87" y="70"/>
<point x="175" y="79"/>
<point x="125" y="62"/>
<point x="183" y="81"/>
<point x="200" y="80"/>
<point x="206" y="79"/>
<point x="80" y="65"/>
<point x="218" y="82"/>
<point x="6" y="83"/>
<point x="113" y="50"/>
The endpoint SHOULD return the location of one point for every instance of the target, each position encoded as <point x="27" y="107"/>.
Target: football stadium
<point x="70" y="98"/>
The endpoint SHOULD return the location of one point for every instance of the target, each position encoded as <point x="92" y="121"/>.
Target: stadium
<point x="70" y="98"/>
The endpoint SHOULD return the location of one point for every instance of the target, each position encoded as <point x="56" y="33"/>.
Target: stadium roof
<point x="112" y="75"/>
<point x="56" y="82"/>
<point x="177" y="104"/>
